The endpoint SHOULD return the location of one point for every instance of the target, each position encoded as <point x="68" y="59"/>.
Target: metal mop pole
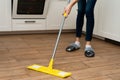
<point x="58" y="38"/>
<point x="60" y="30"/>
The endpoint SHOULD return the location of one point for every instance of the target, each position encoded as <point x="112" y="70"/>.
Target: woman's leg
<point x="90" y="4"/>
<point x="79" y="25"/>
<point x="80" y="18"/>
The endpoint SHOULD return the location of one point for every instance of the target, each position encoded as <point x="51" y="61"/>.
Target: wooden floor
<point x="19" y="51"/>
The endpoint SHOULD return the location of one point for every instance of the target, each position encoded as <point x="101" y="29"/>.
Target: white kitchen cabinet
<point x="109" y="26"/>
<point x="54" y="17"/>
<point x="52" y="21"/>
<point x="28" y="24"/>
<point x="5" y="15"/>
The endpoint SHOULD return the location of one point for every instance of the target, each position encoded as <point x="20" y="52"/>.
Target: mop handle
<point x="60" y="30"/>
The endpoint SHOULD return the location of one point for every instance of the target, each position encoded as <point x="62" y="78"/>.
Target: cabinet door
<point x="28" y="24"/>
<point x="111" y="19"/>
<point x="5" y="15"/>
<point x="54" y="17"/>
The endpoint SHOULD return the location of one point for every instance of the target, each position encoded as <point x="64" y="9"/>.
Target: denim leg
<point x="80" y="17"/>
<point x="90" y="18"/>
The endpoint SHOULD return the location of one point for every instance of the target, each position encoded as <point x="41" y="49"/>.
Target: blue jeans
<point x="85" y="7"/>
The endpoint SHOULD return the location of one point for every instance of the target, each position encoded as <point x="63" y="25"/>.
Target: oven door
<point x="30" y="8"/>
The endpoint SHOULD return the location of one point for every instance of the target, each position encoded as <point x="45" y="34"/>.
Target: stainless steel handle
<point x="30" y="21"/>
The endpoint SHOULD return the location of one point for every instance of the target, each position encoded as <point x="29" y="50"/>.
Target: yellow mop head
<point x="49" y="70"/>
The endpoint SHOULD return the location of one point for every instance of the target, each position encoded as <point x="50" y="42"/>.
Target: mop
<point x="49" y="69"/>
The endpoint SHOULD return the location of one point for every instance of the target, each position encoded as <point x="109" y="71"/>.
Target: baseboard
<point x="112" y="41"/>
<point x="35" y="32"/>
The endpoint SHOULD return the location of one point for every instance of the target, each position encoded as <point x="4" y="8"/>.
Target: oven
<point x="29" y="8"/>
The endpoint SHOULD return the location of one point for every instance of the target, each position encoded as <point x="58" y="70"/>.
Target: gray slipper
<point x="89" y="52"/>
<point x="72" y="47"/>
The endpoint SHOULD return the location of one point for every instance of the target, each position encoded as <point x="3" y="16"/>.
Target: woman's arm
<point x="68" y="8"/>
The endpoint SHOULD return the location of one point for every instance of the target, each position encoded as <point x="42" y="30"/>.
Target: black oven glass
<point x="30" y="7"/>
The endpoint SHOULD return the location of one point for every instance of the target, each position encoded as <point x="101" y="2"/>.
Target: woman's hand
<point x="67" y="10"/>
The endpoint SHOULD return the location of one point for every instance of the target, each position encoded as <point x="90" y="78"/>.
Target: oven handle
<point x="30" y="21"/>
